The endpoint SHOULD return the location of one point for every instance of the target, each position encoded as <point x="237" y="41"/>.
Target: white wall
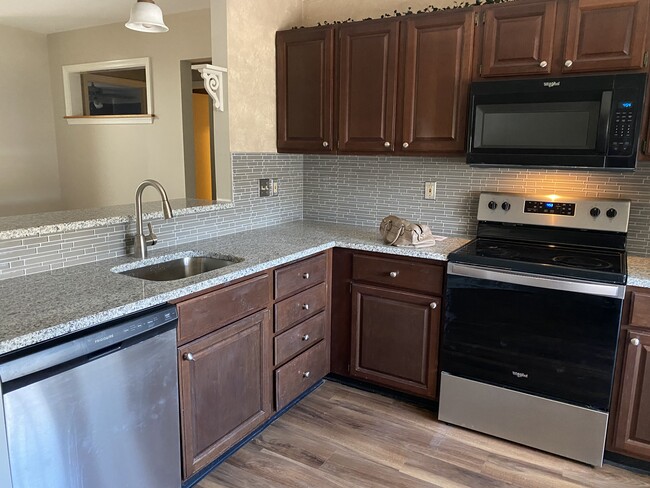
<point x="103" y="164"/>
<point x="29" y="173"/>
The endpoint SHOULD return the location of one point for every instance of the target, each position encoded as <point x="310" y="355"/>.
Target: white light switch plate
<point x="430" y="188"/>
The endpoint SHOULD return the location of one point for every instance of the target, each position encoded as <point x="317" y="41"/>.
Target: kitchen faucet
<point x="142" y="241"/>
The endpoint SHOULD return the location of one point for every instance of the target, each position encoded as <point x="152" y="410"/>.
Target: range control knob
<point x="594" y="212"/>
<point x="505" y="206"/>
<point x="492" y="205"/>
<point x="611" y="213"/>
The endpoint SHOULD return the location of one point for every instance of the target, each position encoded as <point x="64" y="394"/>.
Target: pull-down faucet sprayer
<point x="142" y="241"/>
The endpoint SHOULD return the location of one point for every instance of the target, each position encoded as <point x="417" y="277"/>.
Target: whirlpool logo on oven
<point x="520" y="375"/>
<point x="551" y="84"/>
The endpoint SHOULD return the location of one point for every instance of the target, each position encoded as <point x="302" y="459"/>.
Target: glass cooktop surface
<point x="546" y="259"/>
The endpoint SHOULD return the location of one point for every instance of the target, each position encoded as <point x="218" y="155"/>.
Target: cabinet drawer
<point x="206" y="313"/>
<point x="417" y="276"/>
<point x="298" y="307"/>
<point x="299" y="338"/>
<point x="300" y="275"/>
<point x="640" y="309"/>
<point x="300" y="373"/>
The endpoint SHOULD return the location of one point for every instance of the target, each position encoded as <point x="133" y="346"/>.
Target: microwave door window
<point x="545" y="127"/>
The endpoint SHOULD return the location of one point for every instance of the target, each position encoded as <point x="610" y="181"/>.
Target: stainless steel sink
<point x="179" y="268"/>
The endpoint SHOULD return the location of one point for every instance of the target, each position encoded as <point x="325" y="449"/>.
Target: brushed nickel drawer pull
<point x="305" y="337"/>
<point x="305" y="306"/>
<point x="306" y="374"/>
<point x="188" y="356"/>
<point x="305" y="276"/>
<point x="393" y="274"/>
<point x="635" y="342"/>
<point x="433" y="305"/>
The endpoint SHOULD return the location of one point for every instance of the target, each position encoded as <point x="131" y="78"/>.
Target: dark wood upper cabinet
<point x="605" y="35"/>
<point x="367" y="86"/>
<point x="632" y="428"/>
<point x="305" y="85"/>
<point x="437" y="67"/>
<point x="518" y="38"/>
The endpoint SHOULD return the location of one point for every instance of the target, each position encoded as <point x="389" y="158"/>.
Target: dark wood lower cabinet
<point x="225" y="388"/>
<point x="395" y="339"/>
<point x="632" y="428"/>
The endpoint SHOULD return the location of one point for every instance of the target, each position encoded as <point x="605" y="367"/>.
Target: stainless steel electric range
<point x="533" y="309"/>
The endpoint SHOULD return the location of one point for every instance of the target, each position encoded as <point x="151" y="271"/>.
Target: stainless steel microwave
<point x="569" y="122"/>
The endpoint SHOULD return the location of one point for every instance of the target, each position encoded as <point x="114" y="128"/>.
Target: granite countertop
<point x="638" y="271"/>
<point x="45" y="306"/>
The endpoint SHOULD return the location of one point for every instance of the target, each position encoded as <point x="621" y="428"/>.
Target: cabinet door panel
<point x="632" y="434"/>
<point x="518" y="39"/>
<point x="367" y="86"/>
<point x="225" y="388"/>
<point x="606" y="35"/>
<point x="305" y="83"/>
<point x="395" y="339"/>
<point x="437" y="72"/>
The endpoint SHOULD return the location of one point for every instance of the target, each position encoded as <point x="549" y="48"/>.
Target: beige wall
<point x="103" y="164"/>
<point x="251" y="69"/>
<point x="29" y="173"/>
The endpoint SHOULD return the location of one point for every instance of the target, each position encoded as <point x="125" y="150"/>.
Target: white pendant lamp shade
<point x="146" y="16"/>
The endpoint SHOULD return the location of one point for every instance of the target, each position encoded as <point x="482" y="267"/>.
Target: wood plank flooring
<point x="342" y="437"/>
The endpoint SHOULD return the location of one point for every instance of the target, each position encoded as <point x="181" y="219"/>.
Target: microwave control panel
<point x="623" y="128"/>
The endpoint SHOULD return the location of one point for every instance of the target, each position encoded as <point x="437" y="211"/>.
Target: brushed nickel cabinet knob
<point x="305" y="306"/>
<point x="635" y="342"/>
<point x="405" y="145"/>
<point x="393" y="274"/>
<point x="386" y="144"/>
<point x="326" y="144"/>
<point x="433" y="305"/>
<point x="305" y="337"/>
<point x="568" y="63"/>
<point x="306" y="374"/>
<point x="543" y="64"/>
<point x="188" y="356"/>
<point x="305" y="276"/>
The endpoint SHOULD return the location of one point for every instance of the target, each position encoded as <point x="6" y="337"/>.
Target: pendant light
<point x="146" y="16"/>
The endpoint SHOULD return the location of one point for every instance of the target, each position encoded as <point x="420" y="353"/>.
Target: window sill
<point x="109" y="119"/>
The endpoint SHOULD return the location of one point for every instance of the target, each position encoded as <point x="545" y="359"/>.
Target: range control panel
<point x="602" y="214"/>
<point x="554" y="208"/>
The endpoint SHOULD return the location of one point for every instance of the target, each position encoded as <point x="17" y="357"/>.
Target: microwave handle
<point x="603" y="122"/>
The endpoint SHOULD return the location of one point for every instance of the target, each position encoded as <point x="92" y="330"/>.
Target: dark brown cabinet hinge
<point x="645" y="59"/>
<point x="484" y="17"/>
<point x="476" y="17"/>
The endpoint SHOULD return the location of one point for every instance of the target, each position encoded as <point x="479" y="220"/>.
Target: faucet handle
<point x="152" y="238"/>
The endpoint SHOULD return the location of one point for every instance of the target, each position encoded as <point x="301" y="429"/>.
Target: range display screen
<point x="553" y="208"/>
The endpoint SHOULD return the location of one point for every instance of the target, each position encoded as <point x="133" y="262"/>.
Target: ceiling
<point x="49" y="16"/>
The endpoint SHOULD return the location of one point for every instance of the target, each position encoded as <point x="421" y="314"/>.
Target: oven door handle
<point x="537" y="281"/>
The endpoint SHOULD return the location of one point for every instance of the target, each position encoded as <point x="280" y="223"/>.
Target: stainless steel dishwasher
<point x="98" y="410"/>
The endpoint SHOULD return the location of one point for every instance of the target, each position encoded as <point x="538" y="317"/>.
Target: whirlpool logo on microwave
<point x="551" y="84"/>
<point x="520" y="375"/>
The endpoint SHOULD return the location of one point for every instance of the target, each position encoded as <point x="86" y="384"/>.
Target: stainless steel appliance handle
<point x="602" y="136"/>
<point x="537" y="281"/>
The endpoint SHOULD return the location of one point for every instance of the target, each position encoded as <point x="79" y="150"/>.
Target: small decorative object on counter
<point x="400" y="232"/>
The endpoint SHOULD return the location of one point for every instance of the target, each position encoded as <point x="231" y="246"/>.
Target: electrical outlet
<point x="275" y="187"/>
<point x="265" y="187"/>
<point x="430" y="188"/>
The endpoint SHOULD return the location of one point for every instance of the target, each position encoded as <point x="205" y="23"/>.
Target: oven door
<point x="541" y="335"/>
